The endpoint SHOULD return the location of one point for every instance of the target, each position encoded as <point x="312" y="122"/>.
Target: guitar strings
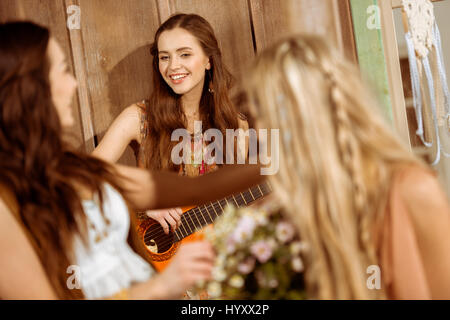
<point x="192" y="227"/>
<point x="204" y="209"/>
<point x="265" y="189"/>
<point x="169" y="239"/>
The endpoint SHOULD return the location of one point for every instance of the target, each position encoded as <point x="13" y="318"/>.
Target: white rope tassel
<point x="442" y="73"/>
<point x="415" y="84"/>
<point x="422" y="38"/>
<point x="426" y="65"/>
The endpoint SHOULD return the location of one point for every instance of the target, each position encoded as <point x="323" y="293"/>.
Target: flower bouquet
<point x="258" y="256"/>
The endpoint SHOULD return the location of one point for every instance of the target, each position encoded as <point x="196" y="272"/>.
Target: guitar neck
<point x="198" y="217"/>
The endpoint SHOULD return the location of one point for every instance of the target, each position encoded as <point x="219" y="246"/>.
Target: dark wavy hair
<point x="35" y="164"/>
<point x="165" y="113"/>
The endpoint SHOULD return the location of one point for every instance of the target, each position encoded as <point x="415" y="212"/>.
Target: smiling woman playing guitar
<point x="190" y="83"/>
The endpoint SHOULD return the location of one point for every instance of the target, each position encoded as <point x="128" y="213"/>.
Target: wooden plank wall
<point x="116" y="37"/>
<point x="110" y="53"/>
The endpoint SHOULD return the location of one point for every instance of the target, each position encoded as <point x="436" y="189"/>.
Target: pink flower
<point x="230" y="245"/>
<point x="284" y="231"/>
<point x="261" y="250"/>
<point x="246" y="266"/>
<point x="244" y="229"/>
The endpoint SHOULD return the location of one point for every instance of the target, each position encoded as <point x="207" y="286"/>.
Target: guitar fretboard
<point x="198" y="217"/>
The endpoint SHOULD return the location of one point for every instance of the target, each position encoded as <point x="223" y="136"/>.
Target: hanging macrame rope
<point x="422" y="38"/>
<point x="442" y="74"/>
<point x="415" y="84"/>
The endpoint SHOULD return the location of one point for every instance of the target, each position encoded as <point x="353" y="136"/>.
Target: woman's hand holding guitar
<point x="193" y="263"/>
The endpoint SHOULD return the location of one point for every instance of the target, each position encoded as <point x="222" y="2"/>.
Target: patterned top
<point x="189" y="169"/>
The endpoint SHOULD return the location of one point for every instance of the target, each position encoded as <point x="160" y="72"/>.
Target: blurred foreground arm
<point x="153" y="190"/>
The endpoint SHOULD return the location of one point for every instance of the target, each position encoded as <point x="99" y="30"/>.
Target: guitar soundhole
<point x="156" y="240"/>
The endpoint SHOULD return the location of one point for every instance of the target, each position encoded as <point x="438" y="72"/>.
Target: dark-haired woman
<point x="64" y="218"/>
<point x="190" y="83"/>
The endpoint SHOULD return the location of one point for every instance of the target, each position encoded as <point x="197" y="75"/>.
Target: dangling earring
<point x="210" y="84"/>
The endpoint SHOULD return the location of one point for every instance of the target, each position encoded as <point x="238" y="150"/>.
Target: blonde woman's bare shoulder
<point x="429" y="211"/>
<point x="421" y="188"/>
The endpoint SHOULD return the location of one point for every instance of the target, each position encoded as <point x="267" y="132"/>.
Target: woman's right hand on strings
<point x="167" y="217"/>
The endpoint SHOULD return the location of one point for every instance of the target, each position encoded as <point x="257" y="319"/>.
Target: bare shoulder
<point x="7" y="205"/>
<point x="427" y="205"/>
<point x="128" y="121"/>
<point x="429" y="211"/>
<point x="243" y="123"/>
<point x="25" y="270"/>
<point x="124" y="129"/>
<point x="134" y="115"/>
<point x="135" y="111"/>
<point x="421" y="188"/>
<point x="5" y="213"/>
<point x="9" y="226"/>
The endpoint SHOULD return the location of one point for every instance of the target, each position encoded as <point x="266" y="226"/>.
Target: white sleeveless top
<point x="109" y="265"/>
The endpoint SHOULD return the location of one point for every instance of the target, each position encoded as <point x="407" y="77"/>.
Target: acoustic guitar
<point x="161" y="247"/>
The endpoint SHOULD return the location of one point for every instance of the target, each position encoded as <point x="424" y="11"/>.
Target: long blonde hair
<point x="337" y="157"/>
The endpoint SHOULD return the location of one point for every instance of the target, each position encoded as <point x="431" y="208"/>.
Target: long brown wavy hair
<point x="165" y="114"/>
<point x="35" y="164"/>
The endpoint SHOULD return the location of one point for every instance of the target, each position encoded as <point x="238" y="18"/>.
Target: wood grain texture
<point x="116" y="39"/>
<point x="51" y="14"/>
<point x="392" y="61"/>
<point x="230" y="20"/>
<point x="347" y="32"/>
<point x="269" y="22"/>
<point x="315" y="17"/>
<point x="76" y="45"/>
<point x="272" y="20"/>
<point x="164" y="10"/>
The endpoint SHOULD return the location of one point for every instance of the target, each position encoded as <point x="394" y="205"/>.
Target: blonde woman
<point x="355" y="193"/>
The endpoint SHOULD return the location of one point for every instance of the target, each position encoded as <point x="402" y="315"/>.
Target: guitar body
<point x="160" y="247"/>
